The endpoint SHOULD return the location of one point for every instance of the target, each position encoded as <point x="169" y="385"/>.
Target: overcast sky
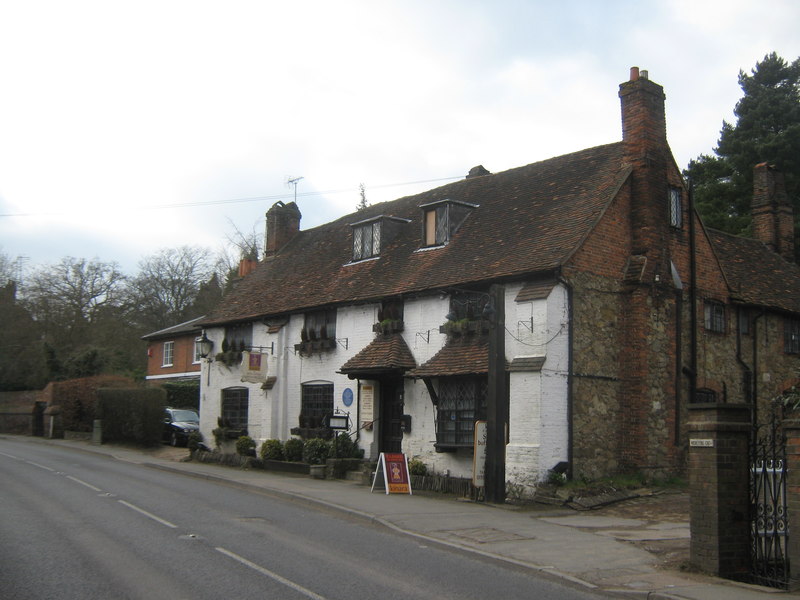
<point x="130" y="126"/>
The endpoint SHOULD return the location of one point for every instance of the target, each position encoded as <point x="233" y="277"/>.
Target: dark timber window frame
<point x="461" y="400"/>
<point x="675" y="208"/>
<point x="366" y="239"/>
<point x="442" y="219"/>
<point x="235" y="407"/>
<point x="238" y="337"/>
<point x="319" y="325"/>
<point x="714" y="316"/>
<point x="316" y="403"/>
<point x="791" y="336"/>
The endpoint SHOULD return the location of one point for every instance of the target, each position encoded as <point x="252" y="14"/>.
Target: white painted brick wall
<point x="538" y="430"/>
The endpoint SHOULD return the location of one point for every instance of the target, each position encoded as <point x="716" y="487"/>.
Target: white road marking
<point x="88" y="485"/>
<point x="10" y="456"/>
<point x="30" y="462"/>
<point x="290" y="584"/>
<point x="147" y="514"/>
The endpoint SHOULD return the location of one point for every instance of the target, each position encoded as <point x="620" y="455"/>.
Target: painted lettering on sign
<point x="479" y="455"/>
<point x="701" y="443"/>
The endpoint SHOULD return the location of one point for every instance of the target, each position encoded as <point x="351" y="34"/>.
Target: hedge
<point x="183" y="394"/>
<point x="132" y="415"/>
<point x="77" y="399"/>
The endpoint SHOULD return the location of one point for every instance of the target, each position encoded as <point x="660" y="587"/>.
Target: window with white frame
<point x="167" y="355"/>
<point x="714" y="316"/>
<point x="196" y="352"/>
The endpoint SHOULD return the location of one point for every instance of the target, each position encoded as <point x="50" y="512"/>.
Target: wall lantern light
<point x="205" y="345"/>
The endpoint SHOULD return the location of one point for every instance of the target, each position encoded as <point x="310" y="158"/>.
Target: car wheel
<point x="173" y="439"/>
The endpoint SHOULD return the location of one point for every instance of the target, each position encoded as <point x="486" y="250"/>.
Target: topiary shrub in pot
<point x="316" y="451"/>
<point x="271" y="450"/>
<point x="245" y="446"/>
<point x="343" y="446"/>
<point x="293" y="449"/>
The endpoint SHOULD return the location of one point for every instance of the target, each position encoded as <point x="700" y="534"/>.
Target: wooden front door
<point x="391" y="413"/>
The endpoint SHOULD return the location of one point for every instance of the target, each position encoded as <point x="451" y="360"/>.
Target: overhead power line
<point x="275" y="197"/>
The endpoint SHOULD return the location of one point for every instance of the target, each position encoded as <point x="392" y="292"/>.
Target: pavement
<point x="637" y="548"/>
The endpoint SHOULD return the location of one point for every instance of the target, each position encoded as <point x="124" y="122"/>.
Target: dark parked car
<point x="178" y="424"/>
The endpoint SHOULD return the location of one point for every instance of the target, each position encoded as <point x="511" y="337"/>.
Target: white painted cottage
<point x="619" y="309"/>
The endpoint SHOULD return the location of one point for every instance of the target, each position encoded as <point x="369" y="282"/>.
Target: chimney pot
<point x="644" y="74"/>
<point x="634" y="73"/>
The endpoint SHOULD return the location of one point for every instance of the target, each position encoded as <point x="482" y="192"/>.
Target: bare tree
<point x="74" y="292"/>
<point x="239" y="245"/>
<point x="167" y="285"/>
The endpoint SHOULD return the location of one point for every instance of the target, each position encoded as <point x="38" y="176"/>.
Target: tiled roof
<point x="528" y="220"/>
<point x="464" y="355"/>
<point x="755" y="274"/>
<point x="185" y="328"/>
<point x="535" y="290"/>
<point x="384" y="353"/>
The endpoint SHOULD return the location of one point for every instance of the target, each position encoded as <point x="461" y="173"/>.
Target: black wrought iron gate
<point x="769" y="526"/>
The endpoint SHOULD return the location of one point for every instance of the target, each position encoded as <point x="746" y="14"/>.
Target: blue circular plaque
<point x="347" y="397"/>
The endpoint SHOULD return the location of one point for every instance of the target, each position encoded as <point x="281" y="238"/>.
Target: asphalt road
<point x="75" y="525"/>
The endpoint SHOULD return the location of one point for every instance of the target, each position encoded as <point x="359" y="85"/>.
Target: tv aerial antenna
<point x="293" y="181"/>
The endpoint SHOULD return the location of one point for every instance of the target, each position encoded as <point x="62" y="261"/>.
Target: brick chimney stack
<point x="773" y="216"/>
<point x="283" y="223"/>
<point x="644" y="137"/>
<point x="641" y="358"/>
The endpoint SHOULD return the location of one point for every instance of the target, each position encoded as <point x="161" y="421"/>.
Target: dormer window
<point x="366" y="239"/>
<point x="373" y="235"/>
<point x="442" y="219"/>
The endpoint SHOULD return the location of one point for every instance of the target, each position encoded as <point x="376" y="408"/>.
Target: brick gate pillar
<point x="719" y="488"/>
<point x="791" y="429"/>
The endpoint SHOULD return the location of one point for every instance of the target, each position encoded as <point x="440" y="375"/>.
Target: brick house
<point x="620" y="309"/>
<point x="173" y="354"/>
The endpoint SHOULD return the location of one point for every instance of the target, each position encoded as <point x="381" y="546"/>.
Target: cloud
<point x="112" y="108"/>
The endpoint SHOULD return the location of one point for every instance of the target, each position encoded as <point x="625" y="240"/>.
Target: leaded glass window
<point x="462" y="401"/>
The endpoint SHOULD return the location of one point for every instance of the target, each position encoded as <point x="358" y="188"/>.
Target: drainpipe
<point x="755" y="366"/>
<point x="692" y="298"/>
<point x="678" y="361"/>
<point x="740" y="361"/>
<point x="570" y="343"/>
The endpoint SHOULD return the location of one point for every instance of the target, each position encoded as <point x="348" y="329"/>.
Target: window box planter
<point x="465" y="327"/>
<point x="230" y="358"/>
<point x="310" y="347"/>
<point x="388" y="326"/>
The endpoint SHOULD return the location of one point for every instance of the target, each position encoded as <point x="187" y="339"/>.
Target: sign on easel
<point x="479" y="455"/>
<point x="393" y="470"/>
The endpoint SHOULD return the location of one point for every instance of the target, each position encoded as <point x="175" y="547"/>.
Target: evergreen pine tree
<point x="767" y="129"/>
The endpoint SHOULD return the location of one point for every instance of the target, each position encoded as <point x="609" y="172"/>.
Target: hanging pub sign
<point x="254" y="367"/>
<point x="393" y="470"/>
